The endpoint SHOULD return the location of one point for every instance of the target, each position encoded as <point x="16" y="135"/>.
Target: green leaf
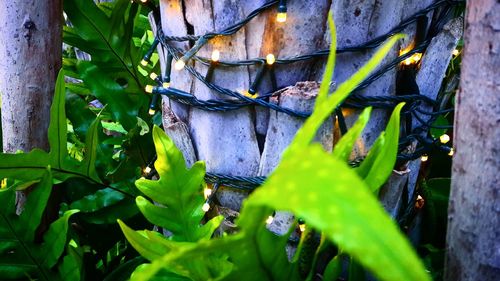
<point x="343" y="147"/>
<point x="379" y="162"/>
<point x="20" y="256"/>
<point x="32" y="165"/>
<point x="340" y="205"/>
<point x="178" y="189"/>
<point x="98" y="200"/>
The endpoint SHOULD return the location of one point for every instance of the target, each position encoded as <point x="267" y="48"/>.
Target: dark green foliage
<point x="20" y="255"/>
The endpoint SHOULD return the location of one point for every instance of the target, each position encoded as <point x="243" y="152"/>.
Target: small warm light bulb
<point x="144" y="1"/>
<point x="153" y="76"/>
<point x="179" y="65"/>
<point x="455" y="52"/>
<point x="151" y="111"/>
<point x="149" y="89"/>
<point x="215" y="55"/>
<point x="451" y="152"/>
<point x="424" y="158"/>
<point x="144" y="62"/>
<point x="147" y="170"/>
<point x="281" y="17"/>
<point x="270" y="59"/>
<point x="166" y="85"/>
<point x="207" y="192"/>
<point x="444" y="138"/>
<point x="269" y="220"/>
<point x="206" y="207"/>
<point x="302" y="227"/>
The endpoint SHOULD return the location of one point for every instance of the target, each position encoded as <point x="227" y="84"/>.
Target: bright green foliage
<point x="379" y="162"/>
<point x="318" y="187"/>
<point x="32" y="165"/>
<point x="179" y="191"/>
<point x="20" y="256"/>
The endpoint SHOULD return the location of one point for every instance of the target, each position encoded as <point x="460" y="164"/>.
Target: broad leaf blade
<point x="340" y="205"/>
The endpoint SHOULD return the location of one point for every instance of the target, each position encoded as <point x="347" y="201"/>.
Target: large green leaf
<point x="20" y="256"/>
<point x="179" y="190"/>
<point x="32" y="165"/>
<point x="341" y="205"/>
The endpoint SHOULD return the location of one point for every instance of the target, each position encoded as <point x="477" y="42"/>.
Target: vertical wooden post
<point x="473" y="238"/>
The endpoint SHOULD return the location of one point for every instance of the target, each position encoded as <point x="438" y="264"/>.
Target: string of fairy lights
<point x="407" y="63"/>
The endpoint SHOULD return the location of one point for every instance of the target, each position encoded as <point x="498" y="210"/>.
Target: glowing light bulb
<point x="206" y="207"/>
<point x="302" y="227"/>
<point x="444" y="138"/>
<point x="144" y="62"/>
<point x="149" y="89"/>
<point x="269" y="220"/>
<point x="270" y="59"/>
<point x="147" y="170"/>
<point x="144" y="1"/>
<point x="424" y="158"/>
<point x="153" y="76"/>
<point x="180" y="64"/>
<point x="215" y="55"/>
<point x="207" y="192"/>
<point x="281" y="17"/>
<point x="451" y="152"/>
<point x="455" y="52"/>
<point x="166" y="84"/>
<point x="151" y="111"/>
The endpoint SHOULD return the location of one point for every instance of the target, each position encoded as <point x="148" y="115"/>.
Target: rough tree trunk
<point x="474" y="213"/>
<point x="31" y="36"/>
<point x="31" y="33"/>
<point x="228" y="141"/>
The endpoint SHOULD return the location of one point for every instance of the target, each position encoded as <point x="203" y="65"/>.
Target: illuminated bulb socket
<point x="144" y="62"/>
<point x="206" y="207"/>
<point x="166" y="85"/>
<point x="180" y="64"/>
<point x="281" y="17"/>
<point x="451" y="152"/>
<point x="302" y="227"/>
<point x="147" y="170"/>
<point x="153" y="76"/>
<point x="207" y="192"/>
<point x="215" y="55"/>
<point x="424" y="158"/>
<point x="149" y="89"/>
<point x="151" y="111"/>
<point x="269" y="220"/>
<point x="444" y="138"/>
<point x="270" y="59"/>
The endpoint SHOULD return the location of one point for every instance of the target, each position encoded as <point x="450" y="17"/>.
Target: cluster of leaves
<point x="339" y="205"/>
<point x="107" y="134"/>
<point x="109" y="144"/>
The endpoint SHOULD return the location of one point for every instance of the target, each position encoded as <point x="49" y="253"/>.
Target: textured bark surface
<point x="473" y="236"/>
<point x="228" y="141"/>
<point x="31" y="34"/>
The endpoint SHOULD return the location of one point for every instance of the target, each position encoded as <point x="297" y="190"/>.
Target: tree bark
<point x="473" y="237"/>
<point x="31" y="36"/>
